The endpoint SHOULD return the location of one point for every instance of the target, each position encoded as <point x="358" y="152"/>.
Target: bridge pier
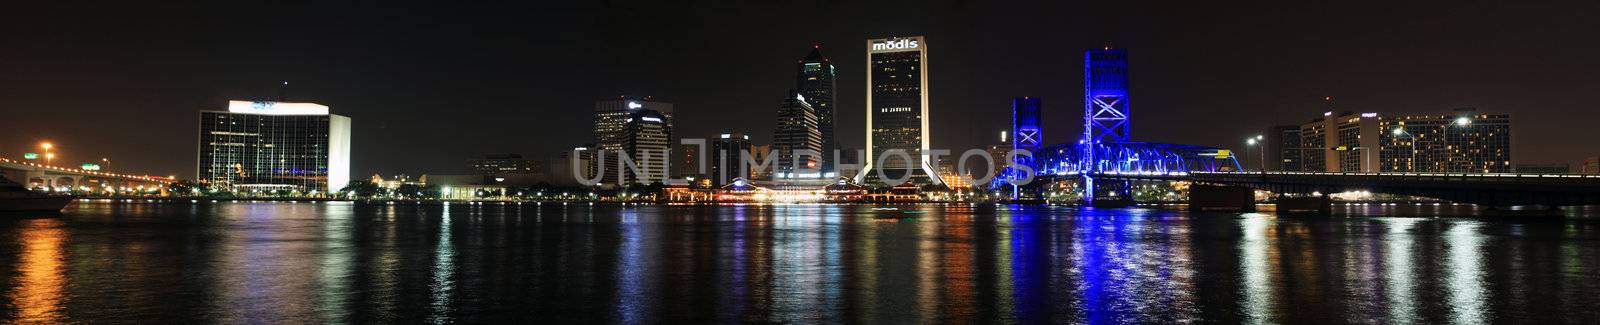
<point x="1320" y="204"/>
<point x="1221" y="198"/>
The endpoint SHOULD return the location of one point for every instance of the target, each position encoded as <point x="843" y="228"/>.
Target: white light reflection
<point x="1398" y="270"/>
<point x="1256" y="251"/>
<point x="1467" y="303"/>
<point x="443" y="272"/>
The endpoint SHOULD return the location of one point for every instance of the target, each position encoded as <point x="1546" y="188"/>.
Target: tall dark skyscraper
<point x="646" y="138"/>
<point x="814" y="80"/>
<point x="897" y="108"/>
<point x="610" y="129"/>
<point x="796" y="132"/>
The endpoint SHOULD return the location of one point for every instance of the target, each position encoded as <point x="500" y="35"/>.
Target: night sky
<point x="429" y="86"/>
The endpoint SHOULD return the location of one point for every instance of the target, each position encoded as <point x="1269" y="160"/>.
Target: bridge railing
<point x="146" y="178"/>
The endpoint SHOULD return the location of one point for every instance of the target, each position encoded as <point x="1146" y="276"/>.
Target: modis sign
<point x="897" y="44"/>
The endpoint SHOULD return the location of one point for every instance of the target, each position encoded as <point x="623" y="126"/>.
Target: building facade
<point x="897" y="110"/>
<point x="725" y="160"/>
<point x="274" y="146"/>
<point x="1344" y="142"/>
<point x="610" y="128"/>
<point x="797" y="140"/>
<point x="1283" y="152"/>
<point x="815" y="80"/>
<point x="1461" y="141"/>
<point x="647" y="140"/>
<point x="505" y="164"/>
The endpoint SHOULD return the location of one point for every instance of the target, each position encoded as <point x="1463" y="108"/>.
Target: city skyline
<point x="1176" y="79"/>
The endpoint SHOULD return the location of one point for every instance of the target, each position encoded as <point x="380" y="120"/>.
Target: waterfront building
<point x="725" y="159"/>
<point x="1460" y="141"/>
<point x="1284" y="148"/>
<point x="1343" y="142"/>
<point x="796" y="139"/>
<point x="646" y="140"/>
<point x="274" y="146"/>
<point x="1591" y="166"/>
<point x="815" y="80"/>
<point x="610" y="122"/>
<point x="506" y="164"/>
<point x="897" y="109"/>
<point x="562" y="169"/>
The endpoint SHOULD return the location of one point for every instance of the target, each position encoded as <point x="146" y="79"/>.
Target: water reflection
<point x="348" y="263"/>
<point x="1465" y="281"/>
<point x="40" y="286"/>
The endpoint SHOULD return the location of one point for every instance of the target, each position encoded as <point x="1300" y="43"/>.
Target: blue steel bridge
<point x="1107" y="159"/>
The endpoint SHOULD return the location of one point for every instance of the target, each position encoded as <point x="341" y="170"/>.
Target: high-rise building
<point x="897" y="109"/>
<point x="1591" y="165"/>
<point x="1283" y="148"/>
<point x="274" y="146"/>
<point x="1461" y="141"/>
<point x="725" y="158"/>
<point x="796" y="138"/>
<point x="1346" y="142"/>
<point x="646" y="140"/>
<point x="815" y="81"/>
<point x="610" y="122"/>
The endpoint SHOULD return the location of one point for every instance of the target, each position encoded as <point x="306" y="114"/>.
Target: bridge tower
<point x="1105" y="109"/>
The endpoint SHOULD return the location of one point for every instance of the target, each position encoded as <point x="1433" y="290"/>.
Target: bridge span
<point x="1481" y="189"/>
<point x="63" y="179"/>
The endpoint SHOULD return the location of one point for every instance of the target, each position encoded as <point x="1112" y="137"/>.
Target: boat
<point x="17" y="198"/>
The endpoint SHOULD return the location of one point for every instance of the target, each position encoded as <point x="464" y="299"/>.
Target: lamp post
<point x="48" y="156"/>
<point x="1413" y="139"/>
<point x="1461" y="122"/>
<point x="1251" y="142"/>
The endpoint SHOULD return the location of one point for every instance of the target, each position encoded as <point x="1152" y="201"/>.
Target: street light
<point x="1251" y="142"/>
<point x="48" y="156"/>
<point x="1413" y="139"/>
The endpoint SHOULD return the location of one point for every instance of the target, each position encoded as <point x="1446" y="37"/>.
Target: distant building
<point x="505" y="164"/>
<point x="797" y="133"/>
<point x="610" y="127"/>
<point x="646" y="139"/>
<point x="815" y="81"/>
<point x="1544" y="169"/>
<point x="274" y="146"/>
<point x="1340" y="143"/>
<point x="1284" y="148"/>
<point x="897" y="103"/>
<point x="724" y="159"/>
<point x="573" y="165"/>
<point x="1591" y="166"/>
<point x="1461" y="141"/>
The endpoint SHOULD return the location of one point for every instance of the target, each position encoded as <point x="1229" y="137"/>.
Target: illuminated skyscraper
<point x="274" y="146"/>
<point x="796" y="140"/>
<point x="1461" y="141"/>
<point x="646" y="138"/>
<point x="897" y="109"/>
<point x="814" y="80"/>
<point x="610" y="123"/>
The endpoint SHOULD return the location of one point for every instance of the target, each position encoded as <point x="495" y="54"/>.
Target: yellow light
<point x="46" y="145"/>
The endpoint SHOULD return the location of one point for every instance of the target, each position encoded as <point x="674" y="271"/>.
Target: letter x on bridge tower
<point x="1105" y="111"/>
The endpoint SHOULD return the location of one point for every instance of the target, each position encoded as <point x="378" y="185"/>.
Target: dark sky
<point x="431" y="85"/>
